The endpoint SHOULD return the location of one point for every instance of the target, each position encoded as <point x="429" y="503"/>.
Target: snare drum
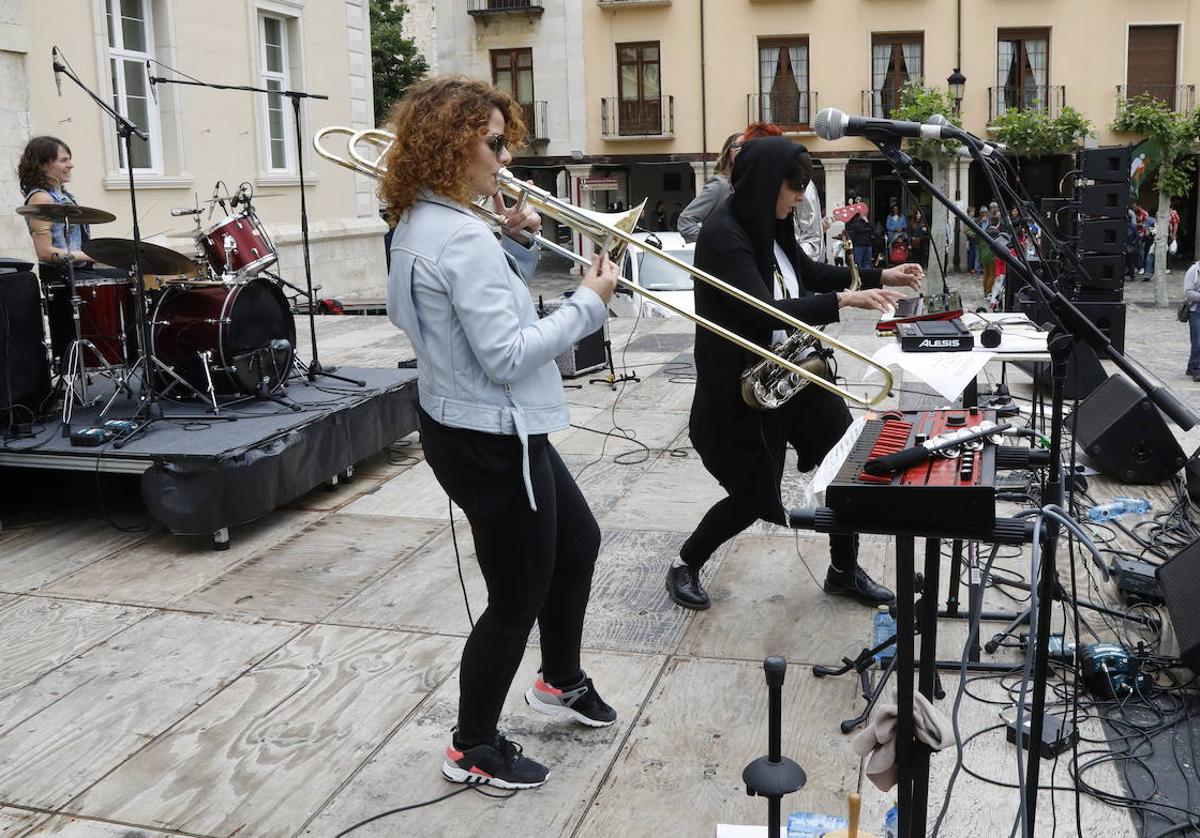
<point x="236" y="335"/>
<point x="106" y="318"/>
<point x="237" y="245"/>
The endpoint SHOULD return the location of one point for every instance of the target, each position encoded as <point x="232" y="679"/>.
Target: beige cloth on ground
<point x="930" y="726"/>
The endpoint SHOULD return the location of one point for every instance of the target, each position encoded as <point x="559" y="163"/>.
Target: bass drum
<point x="239" y="335"/>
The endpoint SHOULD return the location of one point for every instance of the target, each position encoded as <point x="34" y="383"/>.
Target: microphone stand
<point x="1072" y="324"/>
<point x="313" y="369"/>
<point x="149" y="410"/>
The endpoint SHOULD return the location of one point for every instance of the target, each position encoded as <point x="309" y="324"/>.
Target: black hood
<point x="758" y="172"/>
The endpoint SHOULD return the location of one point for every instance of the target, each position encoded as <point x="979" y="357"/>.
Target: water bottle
<point x="813" y="825"/>
<point x="1134" y="505"/>
<point x="885" y="628"/>
<point x="1104" y="511"/>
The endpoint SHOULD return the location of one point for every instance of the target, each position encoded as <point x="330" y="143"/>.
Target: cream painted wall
<point x="220" y="131"/>
<point x="1087" y="54"/>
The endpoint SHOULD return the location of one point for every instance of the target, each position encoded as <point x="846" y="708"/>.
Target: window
<point x="512" y="72"/>
<point x="1021" y="64"/>
<point x="1153" y="55"/>
<point x="783" y="81"/>
<point x="896" y="60"/>
<point x="130" y="46"/>
<point x="275" y="75"/>
<point x="639" y="88"/>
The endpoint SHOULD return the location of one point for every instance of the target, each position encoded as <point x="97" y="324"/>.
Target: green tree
<point x="1175" y="134"/>
<point x="917" y="104"/>
<point x="1033" y="132"/>
<point x="395" y="61"/>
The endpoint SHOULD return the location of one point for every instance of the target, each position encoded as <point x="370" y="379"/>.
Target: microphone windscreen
<point x="829" y="124"/>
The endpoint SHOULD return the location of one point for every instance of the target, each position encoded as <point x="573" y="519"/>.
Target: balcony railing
<point x="619" y="4"/>
<point x="638" y="117"/>
<point x="485" y="8"/>
<point x="1178" y="97"/>
<point x="879" y="103"/>
<point x="1041" y="98"/>
<point x="537" y="121"/>
<point x="790" y="111"/>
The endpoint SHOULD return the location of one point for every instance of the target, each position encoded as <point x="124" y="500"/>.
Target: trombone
<point x="613" y="233"/>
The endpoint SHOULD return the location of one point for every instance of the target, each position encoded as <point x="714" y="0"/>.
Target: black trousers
<point x="815" y="420"/>
<point x="537" y="564"/>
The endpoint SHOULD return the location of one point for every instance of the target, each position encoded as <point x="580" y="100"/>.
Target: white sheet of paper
<point x="946" y="372"/>
<point x="814" y="493"/>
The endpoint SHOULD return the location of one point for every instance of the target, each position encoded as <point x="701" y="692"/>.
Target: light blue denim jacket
<point x="486" y="361"/>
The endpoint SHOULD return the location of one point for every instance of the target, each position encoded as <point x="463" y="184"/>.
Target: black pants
<point x="815" y="421"/>
<point x="537" y="565"/>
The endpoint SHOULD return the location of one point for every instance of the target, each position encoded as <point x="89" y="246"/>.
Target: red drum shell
<point x="106" y="318"/>
<point x="252" y="250"/>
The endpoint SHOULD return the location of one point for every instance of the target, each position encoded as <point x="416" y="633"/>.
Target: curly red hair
<point x="437" y="125"/>
<point x="758" y="130"/>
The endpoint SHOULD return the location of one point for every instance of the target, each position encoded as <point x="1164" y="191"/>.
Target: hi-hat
<point x="58" y="213"/>
<point x="155" y="259"/>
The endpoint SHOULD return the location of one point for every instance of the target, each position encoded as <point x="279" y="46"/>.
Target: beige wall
<point x="1087" y="54"/>
<point x="219" y="133"/>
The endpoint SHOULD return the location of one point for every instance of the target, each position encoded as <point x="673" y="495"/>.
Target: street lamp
<point x="956" y="83"/>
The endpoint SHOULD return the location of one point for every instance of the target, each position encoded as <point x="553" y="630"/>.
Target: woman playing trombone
<point x="749" y="242"/>
<point x="489" y="394"/>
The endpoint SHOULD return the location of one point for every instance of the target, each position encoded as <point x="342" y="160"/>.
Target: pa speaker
<point x="588" y="355"/>
<point x="24" y="371"/>
<point x="1122" y="431"/>
<point x="1109" y="317"/>
<point x="1103" y="273"/>
<point x="1084" y="372"/>
<point x="1108" y="200"/>
<point x="1106" y="165"/>
<point x="1179" y="579"/>
<point x="1103" y="235"/>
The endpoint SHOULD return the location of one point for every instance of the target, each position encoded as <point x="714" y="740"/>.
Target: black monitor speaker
<point x="1125" y="435"/>
<point x="1179" y="580"/>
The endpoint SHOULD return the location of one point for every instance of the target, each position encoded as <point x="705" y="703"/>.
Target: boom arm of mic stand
<point x="1070" y="318"/>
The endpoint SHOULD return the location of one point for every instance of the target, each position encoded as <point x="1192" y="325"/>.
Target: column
<point x="960" y="183"/>
<point x="575" y="195"/>
<point x="835" y="192"/>
<point x="698" y="172"/>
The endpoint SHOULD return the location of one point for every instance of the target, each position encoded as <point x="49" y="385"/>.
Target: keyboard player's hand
<point x="872" y="299"/>
<point x="908" y="275"/>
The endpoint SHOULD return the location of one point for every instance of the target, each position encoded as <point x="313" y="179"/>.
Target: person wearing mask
<point x="750" y="242"/>
<point x="489" y="395"/>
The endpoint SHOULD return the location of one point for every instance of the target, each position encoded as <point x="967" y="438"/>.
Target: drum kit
<point x="216" y="324"/>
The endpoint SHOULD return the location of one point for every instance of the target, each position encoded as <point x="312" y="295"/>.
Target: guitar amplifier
<point x="24" y="370"/>
<point x="587" y="355"/>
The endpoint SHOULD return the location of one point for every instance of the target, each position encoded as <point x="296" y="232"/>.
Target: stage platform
<point x="202" y="476"/>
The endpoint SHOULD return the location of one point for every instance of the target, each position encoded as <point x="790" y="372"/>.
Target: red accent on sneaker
<point x="477" y="770"/>
<point x="546" y="688"/>
<point x="453" y="755"/>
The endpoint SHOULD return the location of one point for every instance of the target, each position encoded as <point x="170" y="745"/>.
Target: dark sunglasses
<point x="496" y="143"/>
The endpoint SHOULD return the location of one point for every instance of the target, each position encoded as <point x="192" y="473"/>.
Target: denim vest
<point x="58" y="231"/>
<point x="486" y="361"/>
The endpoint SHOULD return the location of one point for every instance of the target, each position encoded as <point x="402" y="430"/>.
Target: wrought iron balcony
<point x="879" y="103"/>
<point x="790" y="111"/>
<point x="1178" y="97"/>
<point x="488" y="8"/>
<point x="646" y="118"/>
<point x="625" y="4"/>
<point x="1042" y="98"/>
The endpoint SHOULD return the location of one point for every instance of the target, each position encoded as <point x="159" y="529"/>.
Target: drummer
<point x="44" y="172"/>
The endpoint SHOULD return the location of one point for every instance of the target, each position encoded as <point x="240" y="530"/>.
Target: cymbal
<point x="58" y="213"/>
<point x="155" y="259"/>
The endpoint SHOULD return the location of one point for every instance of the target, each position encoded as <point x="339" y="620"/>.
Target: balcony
<point x="628" y="4"/>
<point x="537" y="122"/>
<point x="1043" y="99"/>
<point x="792" y="112"/>
<point x="878" y="103"/>
<point x="637" y="119"/>
<point x="1180" y="98"/>
<point x="489" y="8"/>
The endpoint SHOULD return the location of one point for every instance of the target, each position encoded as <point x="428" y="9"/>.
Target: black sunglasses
<point x="496" y="143"/>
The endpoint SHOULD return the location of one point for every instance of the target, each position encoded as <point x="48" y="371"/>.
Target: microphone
<point x="909" y="457"/>
<point x="185" y="211"/>
<point x="153" y="84"/>
<point x="58" y="68"/>
<point x="832" y="124"/>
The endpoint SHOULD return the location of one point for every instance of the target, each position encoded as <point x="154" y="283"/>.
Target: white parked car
<point x="665" y="280"/>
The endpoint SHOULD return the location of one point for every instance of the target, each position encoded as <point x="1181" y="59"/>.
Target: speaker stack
<point x="24" y="370"/>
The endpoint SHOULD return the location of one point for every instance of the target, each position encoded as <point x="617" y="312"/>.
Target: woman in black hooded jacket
<point x="749" y="242"/>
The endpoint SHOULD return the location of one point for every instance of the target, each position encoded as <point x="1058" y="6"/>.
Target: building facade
<point x="199" y="136"/>
<point x="653" y="87"/>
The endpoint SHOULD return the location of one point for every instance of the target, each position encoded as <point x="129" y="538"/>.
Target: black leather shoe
<point x="862" y="588"/>
<point x="683" y="584"/>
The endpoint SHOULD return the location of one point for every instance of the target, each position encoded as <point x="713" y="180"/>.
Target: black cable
<point x="424" y="803"/>
<point x="458" y="562"/>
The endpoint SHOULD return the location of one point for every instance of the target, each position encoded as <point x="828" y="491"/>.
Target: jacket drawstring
<point x="518" y="419"/>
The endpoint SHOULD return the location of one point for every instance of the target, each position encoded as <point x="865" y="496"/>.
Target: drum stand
<point x="74" y="366"/>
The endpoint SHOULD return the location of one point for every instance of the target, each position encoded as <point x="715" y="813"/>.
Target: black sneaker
<point x="579" y="704"/>
<point x="683" y="584"/>
<point x="862" y="588"/>
<point x="498" y="763"/>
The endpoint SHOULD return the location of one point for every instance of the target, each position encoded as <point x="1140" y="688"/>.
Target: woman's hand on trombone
<point x="518" y="219"/>
<point x="601" y="277"/>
